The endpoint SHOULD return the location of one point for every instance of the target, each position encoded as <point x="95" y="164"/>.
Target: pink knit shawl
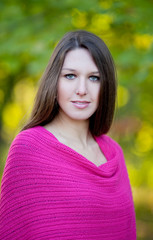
<point x="51" y="192"/>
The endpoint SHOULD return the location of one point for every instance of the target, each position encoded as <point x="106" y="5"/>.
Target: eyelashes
<point x="92" y="78"/>
<point x="70" y="76"/>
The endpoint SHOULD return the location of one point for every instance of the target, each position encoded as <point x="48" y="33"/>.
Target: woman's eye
<point x="70" y="76"/>
<point x="94" y="78"/>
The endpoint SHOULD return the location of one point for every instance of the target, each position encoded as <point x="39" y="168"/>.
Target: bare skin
<point x="77" y="138"/>
<point x="78" y="99"/>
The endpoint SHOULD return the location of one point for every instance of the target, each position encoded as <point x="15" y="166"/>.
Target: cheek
<point x="63" y="91"/>
<point x="60" y="89"/>
<point x="96" y="92"/>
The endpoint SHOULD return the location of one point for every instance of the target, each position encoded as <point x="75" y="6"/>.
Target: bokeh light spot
<point x="123" y="96"/>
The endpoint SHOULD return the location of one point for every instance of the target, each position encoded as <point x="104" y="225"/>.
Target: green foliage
<point x="28" y="33"/>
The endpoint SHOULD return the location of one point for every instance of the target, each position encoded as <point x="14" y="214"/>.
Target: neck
<point x="71" y="130"/>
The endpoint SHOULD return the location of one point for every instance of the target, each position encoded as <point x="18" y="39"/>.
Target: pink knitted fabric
<point x="50" y="191"/>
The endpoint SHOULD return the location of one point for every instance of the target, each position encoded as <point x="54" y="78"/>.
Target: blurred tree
<point x="28" y="33"/>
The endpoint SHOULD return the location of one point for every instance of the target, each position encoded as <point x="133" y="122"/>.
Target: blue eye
<point x="94" y="78"/>
<point x="70" y="76"/>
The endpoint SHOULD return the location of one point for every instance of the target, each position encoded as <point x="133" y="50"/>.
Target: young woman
<point x="65" y="179"/>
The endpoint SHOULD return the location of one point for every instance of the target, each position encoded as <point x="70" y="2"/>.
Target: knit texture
<point x="49" y="191"/>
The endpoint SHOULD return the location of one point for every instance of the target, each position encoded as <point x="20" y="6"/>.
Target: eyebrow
<point x="73" y="70"/>
<point x="70" y="69"/>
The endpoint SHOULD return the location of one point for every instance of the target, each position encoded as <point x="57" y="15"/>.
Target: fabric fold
<point x="49" y="191"/>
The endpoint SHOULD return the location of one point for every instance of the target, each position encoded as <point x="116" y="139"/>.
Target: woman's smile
<point x="81" y="104"/>
<point x="78" y="86"/>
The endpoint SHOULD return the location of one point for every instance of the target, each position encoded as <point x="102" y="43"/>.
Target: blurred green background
<point x="29" y="30"/>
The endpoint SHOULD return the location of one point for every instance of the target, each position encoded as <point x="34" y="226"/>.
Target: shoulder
<point x="23" y="141"/>
<point x="105" y="139"/>
<point x="30" y="146"/>
<point x="26" y="136"/>
<point x="30" y="139"/>
<point x="22" y="146"/>
<point x="110" y="147"/>
<point x="26" y="147"/>
<point x="25" y="155"/>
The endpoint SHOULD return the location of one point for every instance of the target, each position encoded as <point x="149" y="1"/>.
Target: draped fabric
<point x="51" y="192"/>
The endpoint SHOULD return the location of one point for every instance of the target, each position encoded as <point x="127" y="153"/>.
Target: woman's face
<point x="78" y="86"/>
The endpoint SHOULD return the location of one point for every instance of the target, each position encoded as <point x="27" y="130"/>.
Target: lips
<point x="80" y="104"/>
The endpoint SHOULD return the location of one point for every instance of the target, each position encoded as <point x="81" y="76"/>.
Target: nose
<point x="81" y="88"/>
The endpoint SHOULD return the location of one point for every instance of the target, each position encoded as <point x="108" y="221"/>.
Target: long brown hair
<point x="46" y="106"/>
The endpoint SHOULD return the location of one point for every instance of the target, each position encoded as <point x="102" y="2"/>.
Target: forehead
<point x="79" y="57"/>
